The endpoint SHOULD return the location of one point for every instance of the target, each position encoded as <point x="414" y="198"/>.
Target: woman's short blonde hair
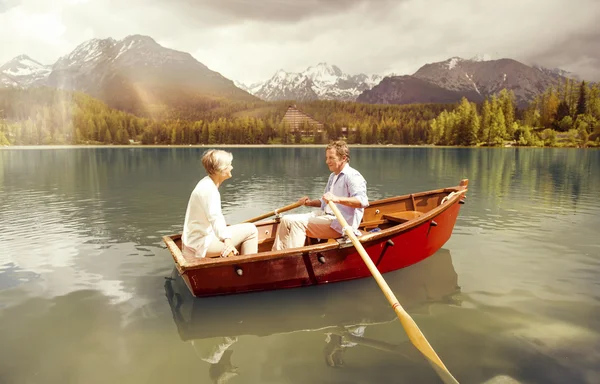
<point x="216" y="160"/>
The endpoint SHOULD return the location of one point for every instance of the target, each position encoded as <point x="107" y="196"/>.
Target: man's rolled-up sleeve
<point x="358" y="188"/>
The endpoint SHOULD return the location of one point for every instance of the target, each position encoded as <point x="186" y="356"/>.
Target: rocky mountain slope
<point x="23" y="71"/>
<point x="474" y="79"/>
<point x="137" y="73"/>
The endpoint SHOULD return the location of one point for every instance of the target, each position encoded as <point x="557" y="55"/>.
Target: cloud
<point x="271" y="11"/>
<point x="249" y="40"/>
<point x="5" y="5"/>
<point x="577" y="53"/>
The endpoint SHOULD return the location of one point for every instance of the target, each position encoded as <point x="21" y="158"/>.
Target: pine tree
<point x="562" y="111"/>
<point x="472" y="126"/>
<point x="77" y="139"/>
<point x="173" y="136"/>
<point x="108" y="137"/>
<point x="497" y="131"/>
<point x="594" y="101"/>
<point x="148" y="136"/>
<point x="507" y="102"/>
<point x="125" y="139"/>
<point x="549" y="107"/>
<point x="434" y="132"/>
<point x="3" y="139"/>
<point x="485" y="122"/>
<point x="212" y="133"/>
<point x="462" y="123"/>
<point x="582" y="102"/>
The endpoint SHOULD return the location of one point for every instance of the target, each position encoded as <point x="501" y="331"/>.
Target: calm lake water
<point x="88" y="293"/>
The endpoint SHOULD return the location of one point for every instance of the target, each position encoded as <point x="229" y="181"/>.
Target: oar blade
<point x="417" y="338"/>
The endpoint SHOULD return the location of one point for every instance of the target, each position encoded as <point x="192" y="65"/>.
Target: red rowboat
<point x="397" y="232"/>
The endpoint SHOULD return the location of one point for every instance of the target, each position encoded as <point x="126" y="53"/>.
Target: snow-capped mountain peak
<point x="92" y="51"/>
<point x="556" y="72"/>
<point x="87" y="52"/>
<point x="324" y="73"/>
<point x="322" y="81"/>
<point x="281" y="75"/>
<point x="7" y="81"/>
<point x="452" y="62"/>
<point x="455" y="62"/>
<point x="24" y="71"/>
<point x="133" y="51"/>
<point x="252" y="88"/>
<point x="133" y="43"/>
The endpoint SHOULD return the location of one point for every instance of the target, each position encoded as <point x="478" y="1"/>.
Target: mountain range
<point x="138" y="75"/>
<point x="320" y="82"/>
<point x="135" y="74"/>
<point x="475" y="79"/>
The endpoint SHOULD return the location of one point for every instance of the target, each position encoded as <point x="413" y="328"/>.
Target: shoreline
<point x="79" y="146"/>
<point x="134" y="146"/>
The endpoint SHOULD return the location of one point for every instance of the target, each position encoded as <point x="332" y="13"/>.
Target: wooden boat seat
<point x="402" y="216"/>
<point x="312" y="240"/>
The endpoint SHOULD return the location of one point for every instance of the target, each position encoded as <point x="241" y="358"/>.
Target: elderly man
<point x="346" y="187"/>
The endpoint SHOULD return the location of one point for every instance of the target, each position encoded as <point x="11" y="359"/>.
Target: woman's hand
<point x="229" y="248"/>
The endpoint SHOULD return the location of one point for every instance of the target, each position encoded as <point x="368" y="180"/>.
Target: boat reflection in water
<point x="340" y="311"/>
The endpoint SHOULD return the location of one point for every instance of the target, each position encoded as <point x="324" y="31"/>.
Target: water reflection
<point x="80" y="234"/>
<point x="139" y="194"/>
<point x="340" y="312"/>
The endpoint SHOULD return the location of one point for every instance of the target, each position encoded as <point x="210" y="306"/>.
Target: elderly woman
<point x="205" y="232"/>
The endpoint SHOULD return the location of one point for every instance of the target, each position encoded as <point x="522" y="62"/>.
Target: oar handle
<point x="274" y="212"/>
<point x="412" y="330"/>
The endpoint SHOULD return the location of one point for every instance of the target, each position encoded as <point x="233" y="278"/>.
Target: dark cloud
<point x="272" y="11"/>
<point x="248" y="40"/>
<point x="578" y="53"/>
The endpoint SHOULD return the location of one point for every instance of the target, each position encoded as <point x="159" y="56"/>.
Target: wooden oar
<point x="414" y="333"/>
<point x="278" y="210"/>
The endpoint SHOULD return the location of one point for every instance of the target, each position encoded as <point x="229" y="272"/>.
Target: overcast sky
<point x="248" y="40"/>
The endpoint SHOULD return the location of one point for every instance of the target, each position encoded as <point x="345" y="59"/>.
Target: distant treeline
<point x="50" y="116"/>
<point x="568" y="115"/>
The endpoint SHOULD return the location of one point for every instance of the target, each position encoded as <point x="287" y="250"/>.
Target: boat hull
<point x="321" y="266"/>
<point x="432" y="280"/>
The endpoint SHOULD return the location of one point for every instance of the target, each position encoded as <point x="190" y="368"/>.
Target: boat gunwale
<point x="184" y="264"/>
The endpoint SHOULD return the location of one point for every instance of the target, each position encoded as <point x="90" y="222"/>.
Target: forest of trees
<point x="567" y="115"/>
